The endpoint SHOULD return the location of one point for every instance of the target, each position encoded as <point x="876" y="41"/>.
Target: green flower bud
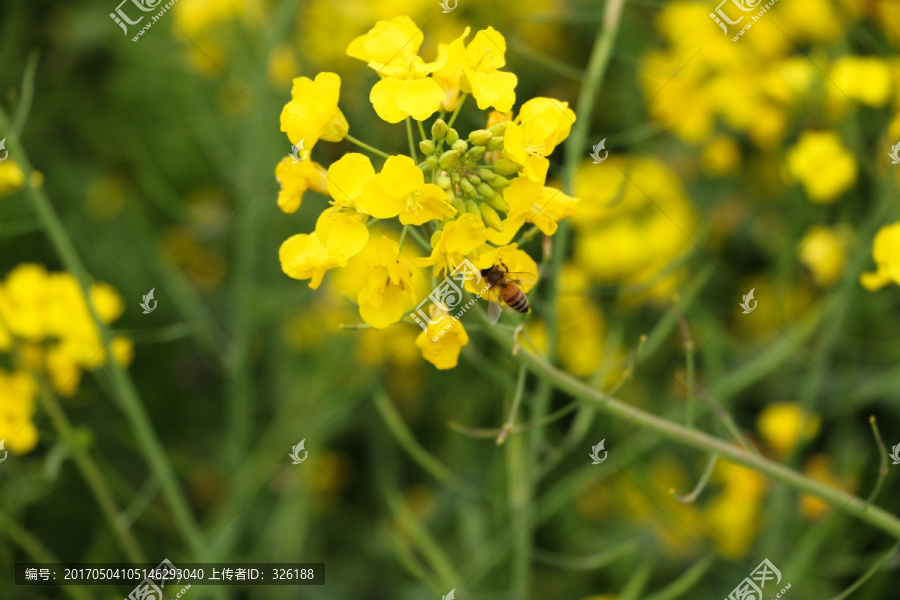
<point x="498" y="202"/>
<point x="451" y="136"/>
<point x="498" y="129"/>
<point x="480" y="137"/>
<point x="449" y="159"/>
<point x="454" y="177"/>
<point x="471" y="208"/>
<point x="485" y="190"/>
<point x="490" y="217"/>
<point x="432" y="162"/>
<point x="486" y="174"/>
<point x="475" y="153"/>
<point x="460" y="207"/>
<point x="439" y="129"/>
<point x="460" y="145"/>
<point x="504" y="166"/>
<point x="474" y="179"/>
<point x="444" y="182"/>
<point x="499" y="182"/>
<point x="427" y="147"/>
<point x="495" y="144"/>
<point x="467" y="188"/>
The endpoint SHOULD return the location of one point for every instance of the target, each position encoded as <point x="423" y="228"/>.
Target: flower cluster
<point x="466" y="199"/>
<point x="44" y="317"/>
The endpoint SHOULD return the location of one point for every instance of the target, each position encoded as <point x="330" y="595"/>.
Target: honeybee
<point x="504" y="286"/>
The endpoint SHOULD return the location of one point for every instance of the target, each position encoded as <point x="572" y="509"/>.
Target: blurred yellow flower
<point x="476" y="68"/>
<point x="785" y="424"/>
<point x="822" y="165"/>
<point x="17" y="392"/>
<point x="866" y="79"/>
<point x="720" y="156"/>
<point x="11" y="177"/>
<point x="297" y="177"/>
<point x="313" y="113"/>
<point x="823" y="250"/>
<point x="886" y="252"/>
<point x="818" y="468"/>
<point x="733" y="517"/>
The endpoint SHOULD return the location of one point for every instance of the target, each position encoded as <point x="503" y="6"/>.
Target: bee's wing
<point x="523" y="278"/>
<point x="494" y="310"/>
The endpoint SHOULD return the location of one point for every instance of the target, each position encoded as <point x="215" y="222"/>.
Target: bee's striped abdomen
<point x="514" y="298"/>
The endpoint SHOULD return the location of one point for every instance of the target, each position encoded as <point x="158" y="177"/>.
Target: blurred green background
<point x="762" y="163"/>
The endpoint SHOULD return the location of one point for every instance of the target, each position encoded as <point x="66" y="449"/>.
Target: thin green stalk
<point x="683" y="584"/>
<point x="365" y="146"/>
<point x="126" y="394"/>
<point x="704" y="478"/>
<point x="517" y="401"/>
<point x="459" y="105"/>
<point x="422" y="130"/>
<point x="403" y="236"/>
<point x="868" y="574"/>
<point x="689" y="366"/>
<point x="883" y="457"/>
<point x="850" y="504"/>
<point x="412" y="142"/>
<point x="93" y="477"/>
<point x="32" y="546"/>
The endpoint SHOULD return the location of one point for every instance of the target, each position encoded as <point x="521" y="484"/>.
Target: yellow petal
<point x="419" y="98"/>
<point x="387" y="41"/>
<point x="342" y="234"/>
<point x="346" y="177"/>
<point x="384" y="99"/>
<point x="497" y="89"/>
<point x="430" y="204"/>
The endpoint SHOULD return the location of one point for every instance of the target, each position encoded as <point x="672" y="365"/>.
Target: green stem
<point x="412" y="142"/>
<point x="566" y="383"/>
<point x="517" y="401"/>
<point x="365" y="146"/>
<point x="883" y="457"/>
<point x="459" y="105"/>
<point x="403" y="236"/>
<point x="868" y="574"/>
<point x="126" y="394"/>
<point x="93" y="477"/>
<point x="422" y="130"/>
<point x="689" y="366"/>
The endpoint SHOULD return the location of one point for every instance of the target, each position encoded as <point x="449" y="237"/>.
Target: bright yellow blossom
<point x="313" y="113"/>
<point x="389" y="42"/>
<point x="11" y="177"/>
<point x="785" y="424"/>
<point x="458" y="238"/>
<point x="886" y="252"/>
<point x="541" y="125"/>
<point x="822" y="165"/>
<point x="442" y="341"/>
<point x="400" y="190"/>
<point x="17" y="392"/>
<point x="476" y="68"/>
<point x="388" y="291"/>
<point x="866" y="79"/>
<point x="297" y="177"/>
<point x="823" y="250"/>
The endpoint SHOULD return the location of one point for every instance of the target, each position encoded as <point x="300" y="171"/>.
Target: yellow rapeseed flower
<point x="17" y="392"/>
<point x="823" y="250"/>
<point x="388" y="291"/>
<point x="297" y="177"/>
<point x="866" y="79"/>
<point x="542" y="124"/>
<point x="458" y="238"/>
<point x="313" y="113"/>
<point x="400" y="190"/>
<point x="785" y="424"/>
<point x="886" y="252"/>
<point x="475" y="68"/>
<point x="442" y="341"/>
<point x="822" y="165"/>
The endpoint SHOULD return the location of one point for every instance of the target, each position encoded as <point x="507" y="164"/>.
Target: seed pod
<point x="490" y="217"/>
<point x="452" y="136"/>
<point x="467" y="188"/>
<point x="427" y="147"/>
<point x="449" y="159"/>
<point x="498" y="129"/>
<point x="460" y="207"/>
<point x="439" y="129"/>
<point x="485" y="190"/>
<point x="471" y="208"/>
<point x="486" y="174"/>
<point x="480" y="137"/>
<point x="474" y="179"/>
<point x="444" y="182"/>
<point x="460" y="145"/>
<point x="432" y="162"/>
<point x="495" y="144"/>
<point x="504" y="166"/>
<point x="475" y="152"/>
<point x="499" y="182"/>
<point x="498" y="202"/>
